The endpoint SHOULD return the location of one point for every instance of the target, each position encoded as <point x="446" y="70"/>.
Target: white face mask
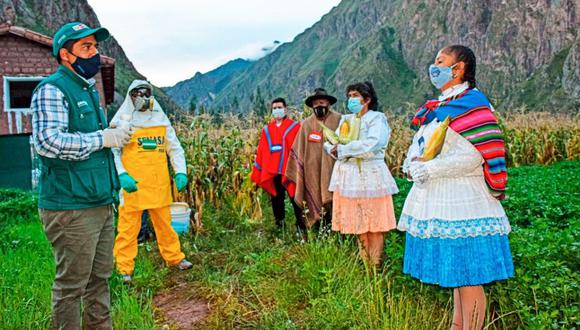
<point x="278" y="113"/>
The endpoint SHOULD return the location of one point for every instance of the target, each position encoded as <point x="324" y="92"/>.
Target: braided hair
<point x="367" y="91"/>
<point x="464" y="54"/>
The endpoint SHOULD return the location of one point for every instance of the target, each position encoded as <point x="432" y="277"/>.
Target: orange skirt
<point x="362" y="215"/>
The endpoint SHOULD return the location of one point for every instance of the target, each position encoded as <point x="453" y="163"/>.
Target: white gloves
<point x="418" y="171"/>
<point x="116" y="137"/>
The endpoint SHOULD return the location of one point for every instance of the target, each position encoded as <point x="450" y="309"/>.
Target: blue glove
<point x="180" y="181"/>
<point x="128" y="183"/>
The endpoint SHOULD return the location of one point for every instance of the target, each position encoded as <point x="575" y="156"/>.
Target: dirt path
<point x="180" y="307"/>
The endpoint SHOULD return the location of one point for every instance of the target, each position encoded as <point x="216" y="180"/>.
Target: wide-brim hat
<point x="74" y="31"/>
<point x="320" y="93"/>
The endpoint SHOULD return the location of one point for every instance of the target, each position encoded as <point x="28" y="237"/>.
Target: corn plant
<point x="220" y="151"/>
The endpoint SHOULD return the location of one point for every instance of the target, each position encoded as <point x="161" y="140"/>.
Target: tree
<point x="193" y="105"/>
<point x="259" y="104"/>
<point x="235" y="104"/>
<point x="202" y="109"/>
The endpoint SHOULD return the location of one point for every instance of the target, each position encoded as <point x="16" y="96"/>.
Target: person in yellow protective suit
<point x="144" y="174"/>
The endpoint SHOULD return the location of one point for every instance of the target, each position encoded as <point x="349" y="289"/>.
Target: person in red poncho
<point x="271" y="158"/>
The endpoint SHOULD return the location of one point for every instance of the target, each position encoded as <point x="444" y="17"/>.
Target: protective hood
<point x="141" y="119"/>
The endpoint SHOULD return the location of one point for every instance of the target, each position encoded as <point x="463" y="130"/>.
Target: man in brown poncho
<point x="309" y="166"/>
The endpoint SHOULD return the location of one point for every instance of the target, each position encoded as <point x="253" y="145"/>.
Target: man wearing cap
<point x="78" y="181"/>
<point x="309" y="166"/>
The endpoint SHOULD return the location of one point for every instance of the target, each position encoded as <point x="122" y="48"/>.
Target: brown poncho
<point x="310" y="167"/>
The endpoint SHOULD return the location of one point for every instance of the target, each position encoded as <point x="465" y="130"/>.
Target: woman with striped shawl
<point x="456" y="227"/>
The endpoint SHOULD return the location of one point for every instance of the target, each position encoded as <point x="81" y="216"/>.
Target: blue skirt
<point x="458" y="262"/>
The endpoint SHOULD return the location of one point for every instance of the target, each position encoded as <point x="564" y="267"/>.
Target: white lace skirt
<point x="372" y="179"/>
<point x="452" y="208"/>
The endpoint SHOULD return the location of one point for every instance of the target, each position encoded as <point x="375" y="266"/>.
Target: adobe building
<point x="25" y="59"/>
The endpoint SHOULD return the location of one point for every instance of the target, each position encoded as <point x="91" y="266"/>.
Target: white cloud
<point x="170" y="40"/>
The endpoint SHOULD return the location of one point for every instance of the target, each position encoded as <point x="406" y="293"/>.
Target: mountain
<point x="46" y="16"/>
<point x="528" y="53"/>
<point x="201" y="88"/>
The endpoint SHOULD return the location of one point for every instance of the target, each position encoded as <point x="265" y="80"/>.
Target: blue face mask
<point x="354" y="105"/>
<point x="440" y="75"/>
<point x="87" y="67"/>
<point x="278" y="113"/>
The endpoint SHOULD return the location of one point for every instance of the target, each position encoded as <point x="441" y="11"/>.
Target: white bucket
<point x="180" y="217"/>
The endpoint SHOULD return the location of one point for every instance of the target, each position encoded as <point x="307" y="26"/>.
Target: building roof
<point x="108" y="63"/>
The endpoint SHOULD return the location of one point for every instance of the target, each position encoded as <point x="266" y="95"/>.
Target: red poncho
<point x="272" y="154"/>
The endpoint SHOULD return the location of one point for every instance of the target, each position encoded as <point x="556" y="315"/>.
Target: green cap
<point x="74" y="31"/>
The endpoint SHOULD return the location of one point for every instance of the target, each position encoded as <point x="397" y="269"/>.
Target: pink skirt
<point x="361" y="215"/>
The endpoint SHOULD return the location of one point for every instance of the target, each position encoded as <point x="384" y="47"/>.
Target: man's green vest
<point x="68" y="184"/>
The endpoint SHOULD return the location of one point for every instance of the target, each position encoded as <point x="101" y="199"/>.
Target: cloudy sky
<point x="170" y="40"/>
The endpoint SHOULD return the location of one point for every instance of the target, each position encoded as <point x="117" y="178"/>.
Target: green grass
<point x="27" y="271"/>
<point x="255" y="278"/>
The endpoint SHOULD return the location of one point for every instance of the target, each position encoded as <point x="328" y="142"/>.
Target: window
<point x="17" y="97"/>
<point x="18" y="92"/>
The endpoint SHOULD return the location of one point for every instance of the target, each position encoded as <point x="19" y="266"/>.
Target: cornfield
<point x="219" y="159"/>
<point x="540" y="138"/>
<point x="220" y="152"/>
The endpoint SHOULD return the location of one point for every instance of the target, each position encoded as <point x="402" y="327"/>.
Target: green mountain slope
<point x="201" y="88"/>
<point x="528" y="53"/>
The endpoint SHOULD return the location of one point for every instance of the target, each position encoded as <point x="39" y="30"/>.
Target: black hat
<point x="320" y="93"/>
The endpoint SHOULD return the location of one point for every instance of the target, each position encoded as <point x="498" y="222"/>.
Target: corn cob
<point x="355" y="130"/>
<point x="344" y="129"/>
<point x="345" y="133"/>
<point x="435" y="143"/>
<point x="348" y="133"/>
<point x="329" y="134"/>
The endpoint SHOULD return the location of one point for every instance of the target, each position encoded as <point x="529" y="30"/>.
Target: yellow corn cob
<point x="329" y="134"/>
<point x="435" y="143"/>
<point x="344" y="129"/>
<point x="348" y="132"/>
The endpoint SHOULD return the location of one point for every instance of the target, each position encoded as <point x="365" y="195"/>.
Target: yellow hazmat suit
<point x="145" y="159"/>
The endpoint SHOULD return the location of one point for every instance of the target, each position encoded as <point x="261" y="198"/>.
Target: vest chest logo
<point x="82" y="104"/>
<point x="276" y="148"/>
<point x="315" y="137"/>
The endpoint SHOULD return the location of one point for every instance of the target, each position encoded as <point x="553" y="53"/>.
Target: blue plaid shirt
<point x="50" y="128"/>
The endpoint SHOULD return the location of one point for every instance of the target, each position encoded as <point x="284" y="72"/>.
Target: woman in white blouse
<point x="456" y="228"/>
<point x="361" y="182"/>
